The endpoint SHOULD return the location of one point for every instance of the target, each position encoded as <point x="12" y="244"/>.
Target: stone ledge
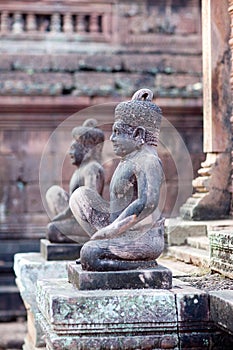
<point x="158" y="277"/>
<point x="221" y="309"/>
<point x="189" y="255"/>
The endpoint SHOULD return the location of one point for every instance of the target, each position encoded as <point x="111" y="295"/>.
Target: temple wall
<point x="54" y="63"/>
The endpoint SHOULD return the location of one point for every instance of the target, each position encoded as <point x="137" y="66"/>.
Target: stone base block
<point x="158" y="277"/>
<point x="59" y="251"/>
<point x="221" y="307"/>
<point x="133" y="319"/>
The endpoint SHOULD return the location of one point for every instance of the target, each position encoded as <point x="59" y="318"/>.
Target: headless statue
<point x="85" y="152"/>
<point x="128" y="232"/>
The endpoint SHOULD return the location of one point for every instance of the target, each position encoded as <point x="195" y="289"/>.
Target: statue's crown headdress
<point x="140" y="111"/>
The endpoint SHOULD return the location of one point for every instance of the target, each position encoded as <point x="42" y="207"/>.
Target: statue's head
<point x="88" y="142"/>
<point x="136" y="122"/>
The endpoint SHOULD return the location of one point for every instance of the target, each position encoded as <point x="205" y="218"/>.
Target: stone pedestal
<point x="29" y="268"/>
<point x="59" y="251"/>
<point x="157" y="277"/>
<point x="124" y="319"/>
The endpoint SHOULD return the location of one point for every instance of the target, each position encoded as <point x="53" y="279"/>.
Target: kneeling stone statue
<point x="128" y="232"/>
<point x="85" y="153"/>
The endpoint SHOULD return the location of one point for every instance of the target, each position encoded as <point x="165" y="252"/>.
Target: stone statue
<point x="85" y="153"/>
<point x="128" y="232"/>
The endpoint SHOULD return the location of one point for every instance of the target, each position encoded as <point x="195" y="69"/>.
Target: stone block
<point x="91" y="84"/>
<point x="66" y="62"/>
<point x="143" y="319"/>
<point x="5" y="62"/>
<point x="29" y="268"/>
<point x="126" y="84"/>
<point x="179" y="81"/>
<point x="221" y="251"/>
<point x="182" y="64"/>
<point x="144" y="63"/>
<point x="31" y="63"/>
<point x="221" y="309"/>
<point x="101" y="63"/>
<point x="192" y="305"/>
<point x="157" y="277"/>
<point x="104" y="311"/>
<point x="178" y="230"/>
<point x="25" y="83"/>
<point x="59" y="251"/>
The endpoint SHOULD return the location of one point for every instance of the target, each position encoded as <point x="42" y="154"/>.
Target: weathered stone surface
<point x="221" y="309"/>
<point x="221" y="251"/>
<point x="30" y="63"/>
<point x="178" y="230"/>
<point x="27" y="83"/>
<point x="59" y="251"/>
<point x="143" y="319"/>
<point x="192" y="305"/>
<point x="157" y="277"/>
<point x="92" y="84"/>
<point x="189" y="255"/>
<point x="66" y="62"/>
<point x="101" y="63"/>
<point x="29" y="268"/>
<point x="89" y="311"/>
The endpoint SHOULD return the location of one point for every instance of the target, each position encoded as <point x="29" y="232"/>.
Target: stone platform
<point x="157" y="277"/>
<point x="145" y="319"/>
<point x="29" y="268"/>
<point x="59" y="251"/>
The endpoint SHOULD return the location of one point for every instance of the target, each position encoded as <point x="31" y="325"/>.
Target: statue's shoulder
<point x="93" y="165"/>
<point x="148" y="157"/>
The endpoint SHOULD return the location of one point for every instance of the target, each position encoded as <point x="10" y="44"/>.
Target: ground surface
<point x="197" y="277"/>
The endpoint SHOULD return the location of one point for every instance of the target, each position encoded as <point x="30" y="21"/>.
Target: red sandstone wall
<point x="149" y="43"/>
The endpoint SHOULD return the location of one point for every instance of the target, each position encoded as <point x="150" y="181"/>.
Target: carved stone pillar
<point x="56" y="23"/>
<point x="18" y="23"/>
<point x="4" y="22"/>
<point x="80" y="24"/>
<point x="94" y="28"/>
<point x="31" y="23"/>
<point x="68" y="23"/>
<point x="212" y="196"/>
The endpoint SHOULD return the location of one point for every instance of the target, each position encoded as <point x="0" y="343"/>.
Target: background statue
<point x="128" y="232"/>
<point x="85" y="153"/>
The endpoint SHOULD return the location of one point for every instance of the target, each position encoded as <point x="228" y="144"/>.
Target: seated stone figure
<point x="85" y="153"/>
<point x="128" y="232"/>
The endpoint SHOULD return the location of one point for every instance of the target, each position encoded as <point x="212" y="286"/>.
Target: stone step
<point x="201" y="242"/>
<point x="190" y="255"/>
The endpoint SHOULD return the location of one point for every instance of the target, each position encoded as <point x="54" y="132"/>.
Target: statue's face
<point x="123" y="141"/>
<point x="77" y="151"/>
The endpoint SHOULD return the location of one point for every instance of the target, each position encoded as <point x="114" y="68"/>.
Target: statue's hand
<point x="115" y="229"/>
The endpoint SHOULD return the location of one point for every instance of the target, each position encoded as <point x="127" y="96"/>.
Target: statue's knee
<point x="90" y="255"/>
<point x="52" y="191"/>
